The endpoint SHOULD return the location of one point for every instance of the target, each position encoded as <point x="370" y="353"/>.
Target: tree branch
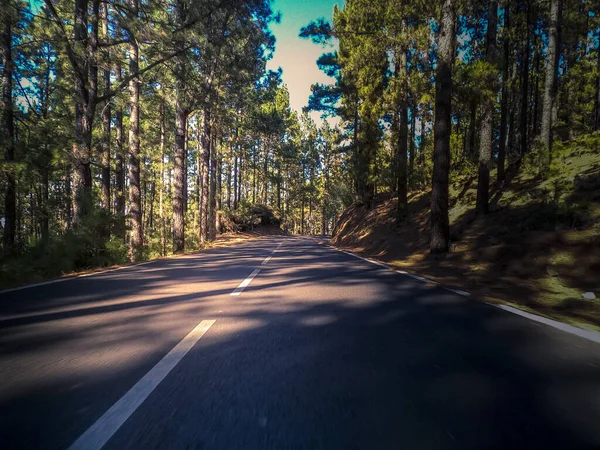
<point x="130" y="77"/>
<point x="70" y="51"/>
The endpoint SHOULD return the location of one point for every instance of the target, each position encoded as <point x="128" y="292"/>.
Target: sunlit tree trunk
<point x="212" y="202"/>
<point x="120" y="161"/>
<point x="205" y="165"/>
<point x="179" y="177"/>
<point x="106" y="121"/>
<point x="135" y="200"/>
<point x="550" y="83"/>
<point x="402" y="212"/>
<point x="504" y="102"/>
<point x="440" y="229"/>
<point x="486" y="128"/>
<point x="161" y="211"/>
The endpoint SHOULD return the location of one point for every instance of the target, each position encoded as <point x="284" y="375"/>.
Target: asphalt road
<point x="320" y="351"/>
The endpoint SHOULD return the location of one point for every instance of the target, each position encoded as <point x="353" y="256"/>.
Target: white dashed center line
<point x="107" y="425"/>
<point x="244" y="284"/>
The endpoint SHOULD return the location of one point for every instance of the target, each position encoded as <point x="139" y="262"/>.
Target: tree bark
<point x="525" y="82"/>
<point x="205" y="162"/>
<point x="236" y="194"/>
<point x="135" y="201"/>
<point x="500" y="174"/>
<point x="179" y="178"/>
<point x="440" y="229"/>
<point x="550" y="84"/>
<point x="229" y="179"/>
<point x="106" y="118"/>
<point x="120" y="161"/>
<point x="161" y="211"/>
<point x="8" y="136"/>
<point x="411" y="160"/>
<point x="86" y="85"/>
<point x="212" y="202"/>
<point x="486" y="128"/>
<point x="219" y="193"/>
<point x="402" y="212"/>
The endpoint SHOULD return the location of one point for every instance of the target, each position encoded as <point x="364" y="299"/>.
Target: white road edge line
<point x="106" y="426"/>
<point x="238" y="290"/>
<point x="267" y="259"/>
<point x="590" y="335"/>
<point x="459" y="292"/>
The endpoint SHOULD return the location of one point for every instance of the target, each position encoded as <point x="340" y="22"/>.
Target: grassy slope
<point x="538" y="249"/>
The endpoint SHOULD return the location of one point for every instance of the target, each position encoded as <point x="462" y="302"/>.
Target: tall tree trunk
<point x="525" y="81"/>
<point x="500" y="174"/>
<point x="106" y="117"/>
<point x="402" y="212"/>
<point x="179" y="177"/>
<point x="229" y="184"/>
<point x="8" y="136"/>
<point x="205" y="161"/>
<point x="254" y="163"/>
<point x="486" y="128"/>
<point x="161" y="211"/>
<point x="535" y="95"/>
<point x="86" y="86"/>
<point x="68" y="195"/>
<point x="302" y="216"/>
<point x="236" y="195"/>
<point x="45" y="225"/>
<point x="411" y="160"/>
<point x="472" y="129"/>
<point x="266" y="173"/>
<point x="440" y="229"/>
<point x="212" y="201"/>
<point x="219" y="194"/>
<point x="550" y="83"/>
<point x="152" y="200"/>
<point x="135" y="200"/>
<point x="120" y="161"/>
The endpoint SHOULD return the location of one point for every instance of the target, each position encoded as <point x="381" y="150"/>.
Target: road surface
<point x="316" y="349"/>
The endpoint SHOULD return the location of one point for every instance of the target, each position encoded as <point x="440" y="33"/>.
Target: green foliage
<point x="91" y="244"/>
<point x="249" y="216"/>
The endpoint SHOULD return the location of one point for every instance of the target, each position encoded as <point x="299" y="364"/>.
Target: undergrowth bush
<point x="248" y="216"/>
<point x="93" y="243"/>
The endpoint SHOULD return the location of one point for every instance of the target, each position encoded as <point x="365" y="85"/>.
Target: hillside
<point x="538" y="248"/>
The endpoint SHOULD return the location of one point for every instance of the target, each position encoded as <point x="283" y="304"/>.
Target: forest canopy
<point x="139" y="129"/>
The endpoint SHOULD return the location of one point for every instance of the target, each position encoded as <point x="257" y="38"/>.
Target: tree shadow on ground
<point x="538" y="255"/>
<point x="386" y="363"/>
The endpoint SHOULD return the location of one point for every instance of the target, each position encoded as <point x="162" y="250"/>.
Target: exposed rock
<point x="589" y="296"/>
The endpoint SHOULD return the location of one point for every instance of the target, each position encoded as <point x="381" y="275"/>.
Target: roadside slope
<point x="539" y="248"/>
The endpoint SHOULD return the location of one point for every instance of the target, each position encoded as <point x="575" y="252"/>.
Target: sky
<point x="298" y="57"/>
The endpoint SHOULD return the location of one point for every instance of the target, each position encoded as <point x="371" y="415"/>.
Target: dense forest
<point x="432" y="90"/>
<point x="139" y="129"/>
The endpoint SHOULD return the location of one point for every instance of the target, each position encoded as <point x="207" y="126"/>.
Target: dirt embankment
<point x="538" y="248"/>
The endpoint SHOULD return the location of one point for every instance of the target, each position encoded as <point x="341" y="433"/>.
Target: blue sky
<point x="297" y="57"/>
